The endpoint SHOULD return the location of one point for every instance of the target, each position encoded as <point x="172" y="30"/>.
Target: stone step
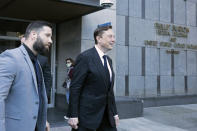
<point x="129" y="107"/>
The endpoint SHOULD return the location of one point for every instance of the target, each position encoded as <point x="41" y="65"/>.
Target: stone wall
<point x="68" y="45"/>
<point x="151" y="70"/>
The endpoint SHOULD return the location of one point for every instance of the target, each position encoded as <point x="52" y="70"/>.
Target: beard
<point x="39" y="47"/>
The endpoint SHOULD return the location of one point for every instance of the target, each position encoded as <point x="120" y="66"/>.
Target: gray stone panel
<point x="180" y="63"/>
<point x="150" y="86"/>
<point x="192" y="82"/>
<point x="152" y="61"/>
<point x="122" y="60"/>
<point x="192" y="39"/>
<point x="135" y="61"/>
<point x="140" y="30"/>
<point x="191" y="63"/>
<point x="136" y="86"/>
<point x="120" y="34"/>
<point x="179" y="12"/>
<point x="165" y="63"/>
<point x="86" y="44"/>
<point x="162" y="38"/>
<point x="194" y="1"/>
<point x="122" y="7"/>
<point x="179" y="85"/>
<point x="165" y="10"/>
<point x="181" y="40"/>
<point x="152" y="9"/>
<point x="90" y="22"/>
<point x="114" y="7"/>
<point x="120" y="85"/>
<point x="135" y="8"/>
<point x="166" y="85"/>
<point x="137" y="43"/>
<point x="191" y="13"/>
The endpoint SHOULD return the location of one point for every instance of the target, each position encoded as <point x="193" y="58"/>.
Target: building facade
<point x="156" y="54"/>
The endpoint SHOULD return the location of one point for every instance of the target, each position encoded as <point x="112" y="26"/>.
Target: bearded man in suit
<point x="23" y="100"/>
<point x="92" y="103"/>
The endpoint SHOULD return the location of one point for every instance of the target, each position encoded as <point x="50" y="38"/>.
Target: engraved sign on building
<point x="173" y="32"/>
<point x="172" y="57"/>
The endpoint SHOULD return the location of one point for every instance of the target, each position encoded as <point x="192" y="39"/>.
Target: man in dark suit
<point x="92" y="103"/>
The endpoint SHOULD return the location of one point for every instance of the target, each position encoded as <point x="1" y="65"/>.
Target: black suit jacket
<point x="90" y="93"/>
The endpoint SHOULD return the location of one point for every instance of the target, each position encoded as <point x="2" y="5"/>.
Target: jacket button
<point x="34" y="117"/>
<point x="37" y="102"/>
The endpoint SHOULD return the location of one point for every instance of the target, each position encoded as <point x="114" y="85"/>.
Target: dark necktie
<point x="105" y="66"/>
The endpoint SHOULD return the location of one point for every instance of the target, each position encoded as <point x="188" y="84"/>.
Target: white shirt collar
<point x="101" y="54"/>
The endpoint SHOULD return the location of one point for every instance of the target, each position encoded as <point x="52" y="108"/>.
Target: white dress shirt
<point x="101" y="54"/>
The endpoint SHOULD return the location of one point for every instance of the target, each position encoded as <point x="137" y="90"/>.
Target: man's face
<point x="43" y="41"/>
<point x="107" y="40"/>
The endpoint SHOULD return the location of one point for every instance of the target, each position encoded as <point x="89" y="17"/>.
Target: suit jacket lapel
<point x="29" y="62"/>
<point x="99" y="65"/>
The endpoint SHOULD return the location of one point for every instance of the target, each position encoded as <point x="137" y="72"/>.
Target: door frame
<point x="53" y="68"/>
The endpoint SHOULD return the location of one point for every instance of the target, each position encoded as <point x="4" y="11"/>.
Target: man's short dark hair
<point x="36" y="26"/>
<point x="99" y="31"/>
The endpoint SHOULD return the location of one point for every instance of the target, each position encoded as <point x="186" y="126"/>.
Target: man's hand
<point x="73" y="122"/>
<point x="47" y="126"/>
<point x="116" y="119"/>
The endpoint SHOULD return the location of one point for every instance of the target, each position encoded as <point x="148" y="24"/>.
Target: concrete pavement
<point x="164" y="118"/>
